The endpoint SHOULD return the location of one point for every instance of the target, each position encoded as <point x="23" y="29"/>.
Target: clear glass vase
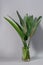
<point x="25" y="53"/>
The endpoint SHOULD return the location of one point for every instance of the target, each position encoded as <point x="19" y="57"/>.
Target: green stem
<point x="26" y="53"/>
<point x="29" y="41"/>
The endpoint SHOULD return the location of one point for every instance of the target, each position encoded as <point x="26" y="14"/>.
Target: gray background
<point x="10" y="42"/>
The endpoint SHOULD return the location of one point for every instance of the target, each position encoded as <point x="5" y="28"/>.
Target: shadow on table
<point x="35" y="58"/>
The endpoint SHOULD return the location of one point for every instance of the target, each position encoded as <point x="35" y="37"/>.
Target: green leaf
<point x="16" y="27"/>
<point x="36" y="23"/>
<point x="29" y="24"/>
<point x="15" y="22"/>
<point x="39" y="18"/>
<point x="20" y="18"/>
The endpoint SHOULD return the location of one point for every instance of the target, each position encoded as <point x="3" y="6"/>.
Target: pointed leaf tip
<point x="39" y="18"/>
<point x="16" y="27"/>
<point x="20" y="18"/>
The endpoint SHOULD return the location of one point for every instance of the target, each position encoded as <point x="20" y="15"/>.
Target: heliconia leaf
<point x="16" y="27"/>
<point x="20" y="18"/>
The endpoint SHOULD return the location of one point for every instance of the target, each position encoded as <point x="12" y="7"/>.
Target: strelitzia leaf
<point x="16" y="27"/>
<point x="20" y="18"/>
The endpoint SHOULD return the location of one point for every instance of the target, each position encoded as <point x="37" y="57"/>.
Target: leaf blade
<point x="20" y="18"/>
<point x="16" y="27"/>
<point x="36" y="25"/>
<point x="15" y="22"/>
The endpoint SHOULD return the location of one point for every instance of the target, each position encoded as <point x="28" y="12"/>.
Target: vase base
<point x="26" y="60"/>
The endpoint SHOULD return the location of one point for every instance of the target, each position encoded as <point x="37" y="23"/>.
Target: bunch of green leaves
<point x="28" y="25"/>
